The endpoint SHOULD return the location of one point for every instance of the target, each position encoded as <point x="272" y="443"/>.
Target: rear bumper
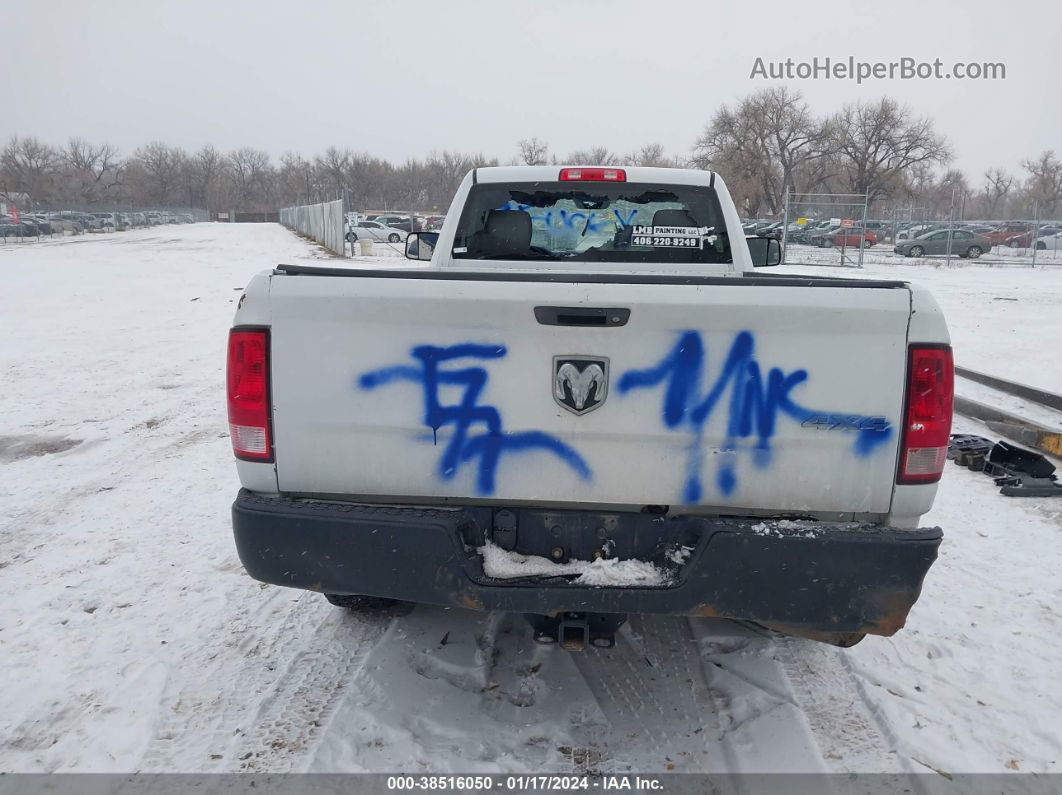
<point x="833" y="579"/>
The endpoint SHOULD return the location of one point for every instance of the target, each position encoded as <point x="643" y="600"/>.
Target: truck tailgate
<point x="731" y="394"/>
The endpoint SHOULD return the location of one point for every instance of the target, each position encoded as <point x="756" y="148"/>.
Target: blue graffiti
<point x="755" y="405"/>
<point x="465" y="445"/>
<point x="592" y="221"/>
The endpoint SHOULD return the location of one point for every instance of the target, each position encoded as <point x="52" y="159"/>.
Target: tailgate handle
<point x="582" y="316"/>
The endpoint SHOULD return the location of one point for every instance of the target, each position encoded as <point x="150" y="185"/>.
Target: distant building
<point x="20" y="200"/>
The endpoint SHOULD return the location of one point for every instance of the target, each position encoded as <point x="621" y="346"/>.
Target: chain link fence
<point x="320" y="222"/>
<point x="836" y="221"/>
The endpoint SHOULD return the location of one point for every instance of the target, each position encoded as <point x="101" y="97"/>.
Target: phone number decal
<point x="667" y="236"/>
<point x="665" y="242"/>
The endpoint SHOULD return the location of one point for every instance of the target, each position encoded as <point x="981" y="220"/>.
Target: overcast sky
<point x="399" y="79"/>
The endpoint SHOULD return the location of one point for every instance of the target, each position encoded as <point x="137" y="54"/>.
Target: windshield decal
<point x="467" y="415"/>
<point x="755" y="405"/>
<point x="668" y="236"/>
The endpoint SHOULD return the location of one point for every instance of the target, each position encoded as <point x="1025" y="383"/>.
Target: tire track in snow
<point x="653" y="691"/>
<point x="292" y="718"/>
<point x="834" y="704"/>
<point x="220" y="686"/>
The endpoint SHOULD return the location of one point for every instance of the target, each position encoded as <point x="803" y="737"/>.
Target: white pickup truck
<point x="592" y="402"/>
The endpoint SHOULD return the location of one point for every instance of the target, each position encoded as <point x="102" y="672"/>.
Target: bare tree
<point x="333" y="167"/>
<point x="1044" y="186"/>
<point x="159" y="168"/>
<point x="297" y="180"/>
<point x="252" y="178"/>
<point x="29" y="166"/>
<point x="945" y="195"/>
<point x="533" y="152"/>
<point x="734" y="145"/>
<point x="206" y="171"/>
<point x="594" y="156"/>
<point x="765" y="145"/>
<point x="995" y="192"/>
<point x="652" y="155"/>
<point x="93" y="170"/>
<point x="878" y="141"/>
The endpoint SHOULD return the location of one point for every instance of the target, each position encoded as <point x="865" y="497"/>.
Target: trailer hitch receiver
<point x="575" y="631"/>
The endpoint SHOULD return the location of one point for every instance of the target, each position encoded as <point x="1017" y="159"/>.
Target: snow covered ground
<point x="131" y="639"/>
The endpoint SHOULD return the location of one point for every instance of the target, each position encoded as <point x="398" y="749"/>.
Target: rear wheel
<point x="973" y="252"/>
<point x="827" y="242"/>
<point x="362" y="604"/>
<point x="351" y="237"/>
<point x="917" y="251"/>
<point x="393" y="238"/>
<point x="1040" y="245"/>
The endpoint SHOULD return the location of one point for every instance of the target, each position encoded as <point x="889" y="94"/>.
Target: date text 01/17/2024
<point x="524" y="783"/>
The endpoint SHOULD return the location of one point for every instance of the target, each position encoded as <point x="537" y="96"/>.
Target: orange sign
<point x="847" y="223"/>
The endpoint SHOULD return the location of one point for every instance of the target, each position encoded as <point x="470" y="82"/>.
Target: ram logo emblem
<point x="580" y="383"/>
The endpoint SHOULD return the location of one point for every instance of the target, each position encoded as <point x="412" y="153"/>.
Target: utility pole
<point x="785" y="223"/>
<point x="951" y="224"/>
<point x="1035" y="229"/>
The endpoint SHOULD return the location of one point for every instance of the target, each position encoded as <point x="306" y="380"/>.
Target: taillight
<point x="593" y="175"/>
<point x="927" y="415"/>
<point x="248" y="393"/>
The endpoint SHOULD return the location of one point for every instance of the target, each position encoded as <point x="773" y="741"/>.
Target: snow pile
<point x="502" y="564"/>
<point x="680" y="554"/>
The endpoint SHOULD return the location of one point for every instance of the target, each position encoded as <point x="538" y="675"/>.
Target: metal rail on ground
<point x="1040" y="396"/>
<point x="1020" y="429"/>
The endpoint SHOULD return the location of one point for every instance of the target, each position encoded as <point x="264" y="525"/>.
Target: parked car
<point x="374" y="230"/>
<point x="812" y="230"/>
<point x="44" y="226"/>
<point x="1025" y="239"/>
<point x="849" y="238"/>
<point x="914" y="230"/>
<point x="390" y="220"/>
<point x="773" y="230"/>
<point x="1002" y="233"/>
<point x="1051" y="242"/>
<point x="9" y="228"/>
<point x="818" y="236"/>
<point x="87" y="220"/>
<point x="396" y="222"/>
<point x="23" y="227"/>
<point x="478" y="445"/>
<point x="154" y="218"/>
<point x="62" y="224"/>
<point x="963" y="244"/>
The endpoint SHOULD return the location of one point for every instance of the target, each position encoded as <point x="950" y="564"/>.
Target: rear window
<point x="592" y="222"/>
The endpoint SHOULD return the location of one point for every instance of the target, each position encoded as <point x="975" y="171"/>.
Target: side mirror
<point x="764" y="251"/>
<point x="421" y="245"/>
